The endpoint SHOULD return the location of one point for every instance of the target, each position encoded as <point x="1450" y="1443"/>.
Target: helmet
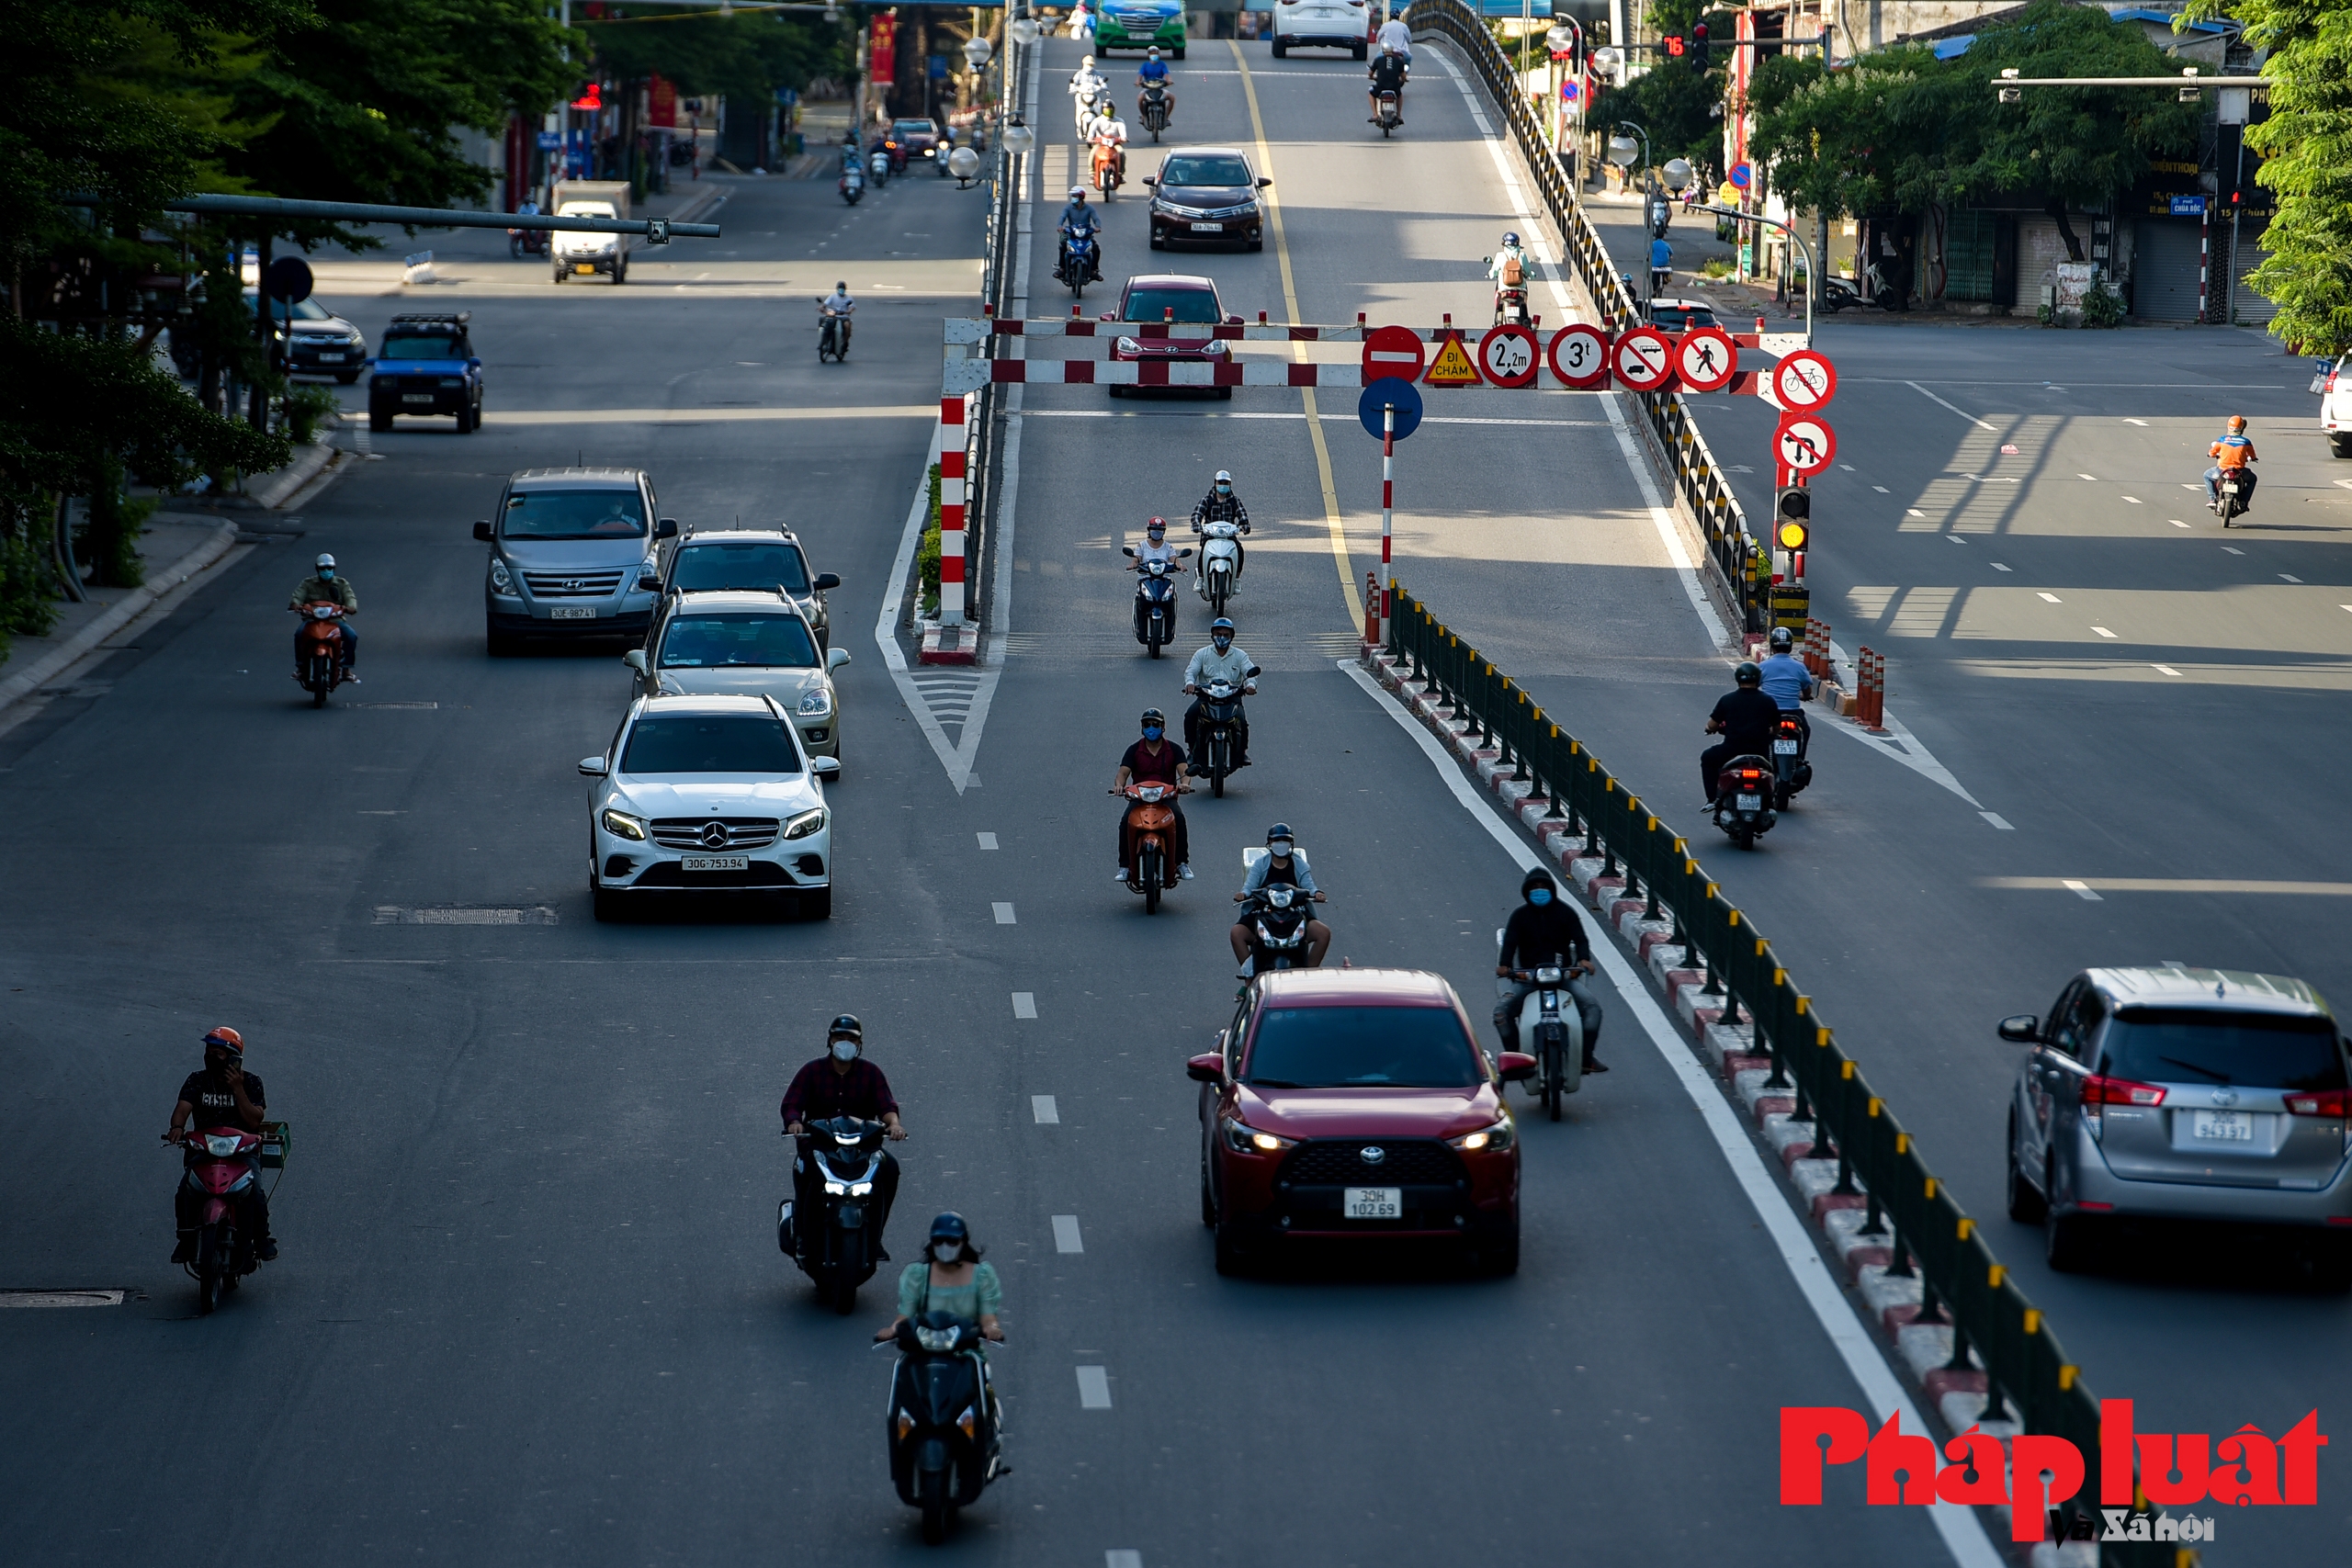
<point x="845" y="1027"/>
<point x="1155" y="52"/>
<point x="1085" y="62"/>
<point x="1221" y="624"/>
<point x="1511" y="239"/>
<point x="1747" y="674"/>
<point x="228" y="1039"/>
<point x="1156" y="526"/>
<point x="1225" y="476"/>
<point x="1078" y="193"/>
<point x="840" y="286"/>
<point x="1783" y="639"/>
<point x="1280" y="830"/>
<point x="1536" y="877"/>
<point x="950" y="1226"/>
<point x="1152" y="716"/>
<point x="326" y="562"/>
<point x="2237" y="423"/>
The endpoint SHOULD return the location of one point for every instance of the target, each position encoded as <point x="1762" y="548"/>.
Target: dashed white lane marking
<point x="2176" y="522"/>
<point x="1066" y="1234"/>
<point x="1955" y="538"/>
<point x="2166" y="669"/>
<point x="1024" y="1004"/>
<point x="2046" y="598"/>
<point x="2284" y="578"/>
<point x="2141" y="423"/>
<point x="1996" y="566"/>
<point x="2103" y="631"/>
<point x="1093" y="1389"/>
<point x="1913" y="511"/>
<point x="2080" y="890"/>
<point x="1998" y="820"/>
<point x="1881" y="489"/>
<point x="2232" y="550"/>
<point x="2093" y="478"/>
<point x="2135" y="501"/>
<point x="60" y="1298"/>
<point x="988" y="840"/>
<point x="1003" y="913"/>
<point x="1121" y="1557"/>
<point x="1041" y="1109"/>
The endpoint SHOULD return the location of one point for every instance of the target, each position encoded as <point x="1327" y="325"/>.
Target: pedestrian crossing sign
<point x="1452" y="366"/>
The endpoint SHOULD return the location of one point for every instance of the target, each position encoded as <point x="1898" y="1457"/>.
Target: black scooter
<point x="942" y="1420"/>
<point x="1744" y="792"/>
<point x="835" y="1246"/>
<point x="1154" y="601"/>
<point x="1220" y="732"/>
<point x="1791" y="771"/>
<point x="1277" y="915"/>
<point x="1151" y="107"/>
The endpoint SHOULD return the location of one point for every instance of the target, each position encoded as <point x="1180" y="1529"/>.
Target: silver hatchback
<point x="2172" y="1093"/>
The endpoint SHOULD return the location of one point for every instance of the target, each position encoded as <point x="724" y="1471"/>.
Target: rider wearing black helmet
<point x="1284" y="861"/>
<point x="1745" y="718"/>
<point x="1154" y="759"/>
<point x="1221" y="661"/>
<point x="843" y="1083"/>
<point x="1543" y="931"/>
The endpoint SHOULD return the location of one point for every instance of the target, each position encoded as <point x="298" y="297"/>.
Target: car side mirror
<point x="591" y="767"/>
<point x="1517" y="1067"/>
<point x="648" y="582"/>
<point x="1264" y="180"/>
<point x="1233" y="321"/>
<point x="1108" y="316"/>
<point x="1209" y="1067"/>
<point x="1128" y="550"/>
<point x="827" y="768"/>
<point x="2025" y="1029"/>
<point x="635" y="660"/>
<point x="836" y="658"/>
<point x="666" y="529"/>
<point x="827" y="579"/>
<point x="481" y="532"/>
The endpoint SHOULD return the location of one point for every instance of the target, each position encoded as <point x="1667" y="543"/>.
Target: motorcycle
<point x="1219" y="731"/>
<point x="852" y="185"/>
<point x="1151" y="817"/>
<point x="1151" y="109"/>
<point x="834" y="1247"/>
<point x="1837" y="293"/>
<point x="1510" y="304"/>
<point x="1276" y="916"/>
<point x="879" y="167"/>
<point x="1110" y="168"/>
<point x="1219" y="573"/>
<point x="1791" y="771"/>
<point x="1743" y="808"/>
<point x="223" y="1166"/>
<point x="1079" y="263"/>
<point x="832" y="336"/>
<point x="2230" y="503"/>
<point x="322" y="651"/>
<point x="1090" y="105"/>
<point x="1551" y="1030"/>
<point x="1391" y="111"/>
<point x="521" y="242"/>
<point x="1155" y="603"/>
<point x="942" y="1421"/>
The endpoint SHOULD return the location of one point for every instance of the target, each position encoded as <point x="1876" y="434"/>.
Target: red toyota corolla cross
<point x="1356" y="1104"/>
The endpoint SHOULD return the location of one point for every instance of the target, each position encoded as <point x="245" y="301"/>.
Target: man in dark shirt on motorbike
<point x="841" y="1083"/>
<point x="1154" y="759"/>
<point x="1543" y="931"/>
<point x="1387" y="75"/>
<point x="1745" y="719"/>
<point x="326" y="586"/>
<point x="226" y="1096"/>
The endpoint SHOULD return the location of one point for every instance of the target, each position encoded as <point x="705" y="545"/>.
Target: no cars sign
<point x="1644" y="359"/>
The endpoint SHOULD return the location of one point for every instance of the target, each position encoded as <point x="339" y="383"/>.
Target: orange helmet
<point x="2237" y="423"/>
<point x="228" y="1039"/>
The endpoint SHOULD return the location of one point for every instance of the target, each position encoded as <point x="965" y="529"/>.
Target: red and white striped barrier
<point x="951" y="509"/>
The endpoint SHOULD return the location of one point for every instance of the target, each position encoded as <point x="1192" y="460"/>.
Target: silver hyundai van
<point x="571" y="556"/>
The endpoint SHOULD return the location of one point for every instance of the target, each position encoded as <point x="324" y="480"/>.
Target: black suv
<point x="425" y="365"/>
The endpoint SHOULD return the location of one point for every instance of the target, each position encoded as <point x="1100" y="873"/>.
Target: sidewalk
<point x="174" y="547"/>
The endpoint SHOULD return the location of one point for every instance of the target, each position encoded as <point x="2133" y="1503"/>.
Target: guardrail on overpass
<point x="1880" y="1169"/>
<point x="1697" y="475"/>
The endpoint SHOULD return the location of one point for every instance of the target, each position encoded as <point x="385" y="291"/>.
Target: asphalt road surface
<point x="460" y="1357"/>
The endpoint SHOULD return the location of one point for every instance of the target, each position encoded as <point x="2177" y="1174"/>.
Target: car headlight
<point x="621" y="825"/>
<point x="1130" y="346"/>
<point x="500" y="580"/>
<point x="817" y="703"/>
<point x="1492" y="1138"/>
<point x="1242" y="1139"/>
<point x="804" y="824"/>
<point x="1216" y="345"/>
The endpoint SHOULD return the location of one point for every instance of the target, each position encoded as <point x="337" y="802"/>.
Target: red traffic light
<point x="594" y="98"/>
<point x="1674" y="45"/>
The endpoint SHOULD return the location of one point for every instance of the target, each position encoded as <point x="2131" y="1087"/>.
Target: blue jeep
<point x="425" y="365"/>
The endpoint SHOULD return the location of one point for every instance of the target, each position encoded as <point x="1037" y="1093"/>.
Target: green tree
<point x="745" y="56"/>
<point x="1680" y="106"/>
<point x="2307" y="148"/>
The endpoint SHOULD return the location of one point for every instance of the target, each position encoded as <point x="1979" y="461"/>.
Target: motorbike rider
<point x="223" y="1095"/>
<point x="1545" y="930"/>
<point x="1394" y="36"/>
<point x="1106" y="130"/>
<point x="1745" y="718"/>
<point x="838" y="303"/>
<point x="1079" y="221"/>
<point x="1221" y="506"/>
<point x="2232" y="451"/>
<point x="1155" y="546"/>
<point x="1510" y="269"/>
<point x="1220" y="660"/>
<point x="1787" y="682"/>
<point x="1661" y="266"/>
<point x="327" y="586"/>
<point x="1154" y="759"/>
<point x="841" y="1083"/>
<point x="1285" y="863"/>
<point x="1082" y="80"/>
<point x="953" y="1278"/>
<point x="1153" y="73"/>
<point x="1388" y="73"/>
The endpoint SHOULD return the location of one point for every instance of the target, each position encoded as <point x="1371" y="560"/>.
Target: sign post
<point x="1390" y="408"/>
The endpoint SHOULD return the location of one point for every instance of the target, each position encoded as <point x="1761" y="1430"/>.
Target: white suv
<point x="2335" y="406"/>
<point x="704" y="644"/>
<point x="710" y="794"/>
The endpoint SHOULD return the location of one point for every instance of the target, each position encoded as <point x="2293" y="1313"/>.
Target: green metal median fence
<point x="1909" y="1211"/>
<point x="1697" y="475"/>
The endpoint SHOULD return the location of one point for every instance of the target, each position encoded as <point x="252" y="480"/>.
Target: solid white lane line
<point x="1024" y="1004"/>
<point x="1066" y="1234"/>
<point x="1933" y="398"/>
<point x="1093" y="1389"/>
<point x="1998" y="820"/>
<point x="2080" y="890"/>
<point x="988" y="840"/>
<point x="1042" y="1111"/>
<point x="1003" y="913"/>
<point x="1963" y="1533"/>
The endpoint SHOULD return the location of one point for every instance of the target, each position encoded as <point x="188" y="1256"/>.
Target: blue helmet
<point x="950" y="1226"/>
<point x="1221" y="624"/>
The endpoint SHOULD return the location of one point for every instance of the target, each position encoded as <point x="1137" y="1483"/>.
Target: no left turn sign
<point x="1579" y="354"/>
<point x="1803" y="443"/>
<point x="1644" y="359"/>
<point x="1509" y="354"/>
<point x="1705" y="359"/>
<point x="1803" y="380"/>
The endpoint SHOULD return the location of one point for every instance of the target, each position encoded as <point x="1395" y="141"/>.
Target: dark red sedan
<point x="1189" y="313"/>
<point x="1355" y="1104"/>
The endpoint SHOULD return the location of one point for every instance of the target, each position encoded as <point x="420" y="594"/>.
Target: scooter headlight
<point x="860" y="1189"/>
<point x="836" y="1189"/>
<point x="938" y="1338"/>
<point x="222" y="1146"/>
<point x="1547" y="976"/>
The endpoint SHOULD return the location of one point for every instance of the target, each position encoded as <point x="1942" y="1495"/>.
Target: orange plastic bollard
<point x="1371" y="608"/>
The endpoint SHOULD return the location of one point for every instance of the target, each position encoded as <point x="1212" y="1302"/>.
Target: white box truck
<point x="582" y="253"/>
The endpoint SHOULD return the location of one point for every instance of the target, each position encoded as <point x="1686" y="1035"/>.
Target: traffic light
<point x="1792" y="518"/>
<point x="1674" y="45"/>
<point x="1698" y="47"/>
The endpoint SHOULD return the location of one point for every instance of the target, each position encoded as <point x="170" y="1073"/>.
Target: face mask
<point x="326" y="574"/>
<point x="1539" y="896"/>
<point x="1152" y="732"/>
<point x="1222" y="643"/>
<point x="844" y="1050"/>
<point x="1279" y="848"/>
<point x="1224" y="489"/>
<point x="947" y="1251"/>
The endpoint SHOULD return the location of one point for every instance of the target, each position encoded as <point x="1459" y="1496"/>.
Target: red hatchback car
<point x="1189" y="311"/>
<point x="1356" y="1104"/>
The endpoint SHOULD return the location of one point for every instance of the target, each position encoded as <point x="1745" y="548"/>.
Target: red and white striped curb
<point x="1958" y="1393"/>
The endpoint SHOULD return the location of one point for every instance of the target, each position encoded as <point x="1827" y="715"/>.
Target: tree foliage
<point x="2307" y="163"/>
<point x="1680" y="106"/>
<point x="746" y="55"/>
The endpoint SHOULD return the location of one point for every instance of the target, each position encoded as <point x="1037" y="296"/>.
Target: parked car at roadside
<point x="2335" y="406"/>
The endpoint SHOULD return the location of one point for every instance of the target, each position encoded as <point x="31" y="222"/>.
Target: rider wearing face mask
<point x="841" y="1083"/>
<point x="1221" y="506"/>
<point x="1221" y="661"/>
<point x="1154" y="759"/>
<point x="952" y="1279"/>
<point x="326" y="586"/>
<point x="1283" y="863"/>
<point x="1544" y="931"/>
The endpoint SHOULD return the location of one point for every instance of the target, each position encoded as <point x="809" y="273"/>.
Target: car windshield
<point x="401" y="343"/>
<point x="304" y="309"/>
<point x="1680" y="318"/>
<point x="1153" y="305"/>
<point x="1204" y="172"/>
<point x="2198" y="1045"/>
<point x="1362" y="1047"/>
<point x="710" y="743"/>
<point x="720" y="642"/>
<point x="574" y="514"/>
<point x="913" y="127"/>
<point x="704" y="569"/>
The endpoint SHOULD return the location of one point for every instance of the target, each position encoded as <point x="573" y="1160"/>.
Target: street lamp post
<point x="1813" y="285"/>
<point x="1566" y="42"/>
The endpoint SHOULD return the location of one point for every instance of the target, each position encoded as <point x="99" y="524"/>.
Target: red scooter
<point x="321" y="662"/>
<point x="223" y="1164"/>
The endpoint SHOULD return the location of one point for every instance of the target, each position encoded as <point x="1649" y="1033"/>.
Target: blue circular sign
<point x="1378" y="396"/>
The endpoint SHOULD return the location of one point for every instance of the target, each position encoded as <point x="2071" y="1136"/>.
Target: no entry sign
<point x="1393" y="351"/>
